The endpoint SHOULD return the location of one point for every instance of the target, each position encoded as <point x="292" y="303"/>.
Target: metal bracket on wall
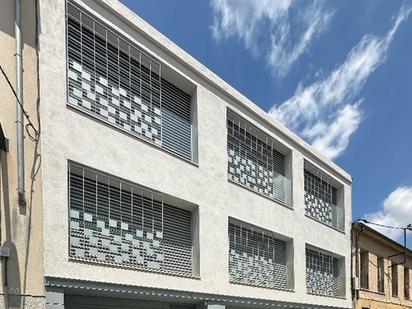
<point x="402" y="254"/>
<point x="4" y="142"/>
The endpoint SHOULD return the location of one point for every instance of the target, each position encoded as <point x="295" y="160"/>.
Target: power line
<point x="404" y="229"/>
<point x="30" y="124"/>
<point x="408" y="227"/>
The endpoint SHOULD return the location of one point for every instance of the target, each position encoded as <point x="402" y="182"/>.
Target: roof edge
<point x="192" y="64"/>
<point x="361" y="225"/>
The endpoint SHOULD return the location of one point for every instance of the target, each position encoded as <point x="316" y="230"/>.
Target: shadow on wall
<point x="8" y="265"/>
<point x="35" y="168"/>
<point x="15" y="270"/>
<point x="7" y="14"/>
<point x="13" y="287"/>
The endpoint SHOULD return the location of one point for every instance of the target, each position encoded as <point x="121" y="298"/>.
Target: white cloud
<point x="280" y="30"/>
<point x="327" y="112"/>
<point x="396" y="211"/>
<point x="332" y="139"/>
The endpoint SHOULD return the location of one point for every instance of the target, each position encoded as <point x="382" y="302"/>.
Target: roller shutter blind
<point x="254" y="162"/>
<point x="121" y="224"/>
<point x="177" y="130"/>
<point x="322" y="274"/>
<point x="256" y="258"/>
<point x="113" y="80"/>
<point x="321" y="198"/>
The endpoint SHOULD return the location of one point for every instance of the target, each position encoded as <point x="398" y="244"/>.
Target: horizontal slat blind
<point x="118" y="83"/>
<point x="322" y="274"/>
<point x="176" y="100"/>
<point x="177" y="129"/>
<point x="254" y="162"/>
<point x="114" y="222"/>
<point x="256" y="258"/>
<point x="177" y="133"/>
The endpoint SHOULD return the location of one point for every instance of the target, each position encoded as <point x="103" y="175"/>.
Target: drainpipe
<point x="358" y="263"/>
<point x="19" y="109"/>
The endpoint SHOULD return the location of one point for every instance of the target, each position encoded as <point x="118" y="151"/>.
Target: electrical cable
<point x="409" y="227"/>
<point x="30" y="124"/>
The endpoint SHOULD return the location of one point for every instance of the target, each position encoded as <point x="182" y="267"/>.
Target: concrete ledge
<point x="81" y="287"/>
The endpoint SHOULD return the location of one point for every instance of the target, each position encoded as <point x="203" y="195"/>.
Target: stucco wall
<point x="21" y="228"/>
<point x="70" y="135"/>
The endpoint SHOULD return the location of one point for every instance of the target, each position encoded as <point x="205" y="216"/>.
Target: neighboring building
<point x="21" y="229"/>
<point x="381" y="270"/>
<point x="161" y="185"/>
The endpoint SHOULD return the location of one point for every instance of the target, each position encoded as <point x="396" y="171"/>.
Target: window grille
<point x="116" y="82"/>
<point x="256" y="258"/>
<point x="122" y="224"/>
<point x="254" y="162"/>
<point x="322" y="274"/>
<point x="406" y="284"/>
<point x="321" y="198"/>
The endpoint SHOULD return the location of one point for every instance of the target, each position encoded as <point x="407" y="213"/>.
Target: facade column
<point x="55" y="298"/>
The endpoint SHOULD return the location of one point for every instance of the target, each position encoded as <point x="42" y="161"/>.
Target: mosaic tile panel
<point x="116" y="82"/>
<point x="320" y="198"/>
<point x="256" y="258"/>
<point x="115" y="223"/>
<point x="322" y="275"/>
<point x="255" y="163"/>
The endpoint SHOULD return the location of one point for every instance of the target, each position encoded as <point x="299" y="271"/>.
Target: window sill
<point x="260" y="194"/>
<point x="325" y="224"/>
<point x="372" y="291"/>
<point x="136" y="136"/>
<point x="262" y="286"/>
<point x="328" y="296"/>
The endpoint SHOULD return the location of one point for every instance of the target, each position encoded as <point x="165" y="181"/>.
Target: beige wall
<point x="371" y="298"/>
<point x="21" y="228"/>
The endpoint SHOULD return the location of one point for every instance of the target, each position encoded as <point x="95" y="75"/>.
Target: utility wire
<point x="30" y="124"/>
<point x="409" y="227"/>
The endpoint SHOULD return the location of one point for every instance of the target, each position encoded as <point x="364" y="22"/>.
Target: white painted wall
<point x="70" y="135"/>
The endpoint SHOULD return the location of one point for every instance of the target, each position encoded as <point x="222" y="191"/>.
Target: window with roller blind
<point x="257" y="161"/>
<point x="324" y="273"/>
<point x="323" y="197"/>
<point x="258" y="257"/>
<point x="118" y="223"/>
<point x="115" y="81"/>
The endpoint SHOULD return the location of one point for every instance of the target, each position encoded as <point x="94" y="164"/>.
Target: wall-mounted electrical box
<point x="4" y="252"/>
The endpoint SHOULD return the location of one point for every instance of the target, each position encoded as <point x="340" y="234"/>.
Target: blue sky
<point x="339" y="73"/>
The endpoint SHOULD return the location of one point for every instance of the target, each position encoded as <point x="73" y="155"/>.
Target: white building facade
<point x="165" y="187"/>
